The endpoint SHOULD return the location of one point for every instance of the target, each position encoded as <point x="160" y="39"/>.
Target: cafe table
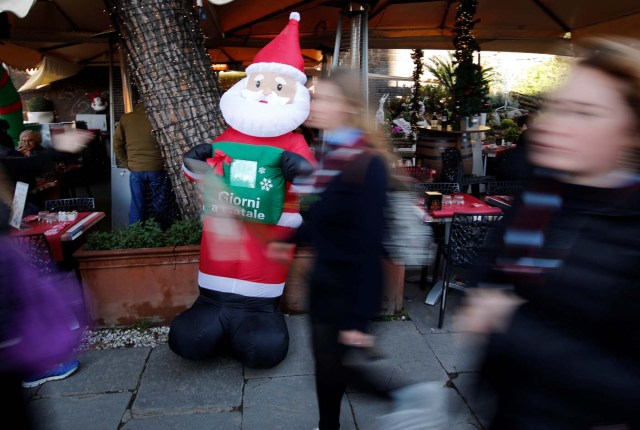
<point x="493" y="151"/>
<point x="503" y="202"/>
<point x="60" y="233"/>
<point x="472" y="205"/>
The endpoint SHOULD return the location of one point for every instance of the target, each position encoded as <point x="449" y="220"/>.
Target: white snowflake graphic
<point x="266" y="184"/>
<point x="262" y="170"/>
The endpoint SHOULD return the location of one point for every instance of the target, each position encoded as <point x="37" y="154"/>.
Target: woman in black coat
<point x="563" y="332"/>
<point x="345" y="225"/>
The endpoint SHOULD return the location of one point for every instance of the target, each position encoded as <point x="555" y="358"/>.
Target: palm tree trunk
<point x="169" y="64"/>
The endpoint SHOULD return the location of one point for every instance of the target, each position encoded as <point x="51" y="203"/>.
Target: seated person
<point x="30" y="143"/>
<point x="7" y="148"/>
<point x="28" y="168"/>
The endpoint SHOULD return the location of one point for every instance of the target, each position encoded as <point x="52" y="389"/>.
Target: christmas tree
<point x="470" y="88"/>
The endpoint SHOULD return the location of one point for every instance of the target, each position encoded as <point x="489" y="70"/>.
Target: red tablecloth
<point x="61" y="231"/>
<point x="472" y="205"/>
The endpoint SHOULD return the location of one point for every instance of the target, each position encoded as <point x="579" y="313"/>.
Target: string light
<point x="470" y="89"/>
<point x="165" y="52"/>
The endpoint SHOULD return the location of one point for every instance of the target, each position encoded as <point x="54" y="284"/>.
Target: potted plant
<point x="140" y="273"/>
<point x="40" y="110"/>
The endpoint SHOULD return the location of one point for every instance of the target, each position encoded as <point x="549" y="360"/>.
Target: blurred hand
<point x="72" y="141"/>
<point x="280" y="251"/>
<point x="356" y="338"/>
<point x="486" y="310"/>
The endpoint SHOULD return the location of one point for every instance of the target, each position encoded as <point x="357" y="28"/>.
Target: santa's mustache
<point x="259" y="96"/>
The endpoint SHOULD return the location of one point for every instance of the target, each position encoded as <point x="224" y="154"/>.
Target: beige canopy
<point x="79" y="31"/>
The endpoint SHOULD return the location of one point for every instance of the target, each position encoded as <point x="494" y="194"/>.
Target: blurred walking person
<point x="563" y="329"/>
<point x="345" y="226"/>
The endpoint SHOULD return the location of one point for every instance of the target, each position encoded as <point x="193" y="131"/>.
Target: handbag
<point x="407" y="240"/>
<point x="42" y="317"/>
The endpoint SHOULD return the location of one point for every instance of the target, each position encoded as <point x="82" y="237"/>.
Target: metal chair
<point x="467" y="239"/>
<point x="509" y="188"/>
<point x="37" y="251"/>
<point x="80" y="204"/>
<point x="438" y="229"/>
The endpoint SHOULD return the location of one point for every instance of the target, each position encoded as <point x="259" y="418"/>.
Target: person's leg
<point x="197" y="333"/>
<point x="260" y="338"/>
<point x="330" y="375"/>
<point x="158" y="187"/>
<point x="136" y="208"/>
<point x="13" y="406"/>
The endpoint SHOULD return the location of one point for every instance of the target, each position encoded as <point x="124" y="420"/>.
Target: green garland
<point x="416" y="93"/>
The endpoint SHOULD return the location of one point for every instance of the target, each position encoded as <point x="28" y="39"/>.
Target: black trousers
<point x="13" y="407"/>
<point x="252" y="328"/>
<point x="338" y="366"/>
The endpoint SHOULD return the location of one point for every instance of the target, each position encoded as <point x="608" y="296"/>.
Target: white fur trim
<point x="295" y="15"/>
<point x="238" y="286"/>
<point x="290" y="219"/>
<point x="192" y="176"/>
<point x="284" y="69"/>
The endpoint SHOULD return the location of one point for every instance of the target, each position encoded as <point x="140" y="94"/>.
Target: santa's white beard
<point x="264" y="119"/>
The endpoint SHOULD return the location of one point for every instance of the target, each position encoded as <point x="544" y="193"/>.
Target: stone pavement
<point x="151" y="388"/>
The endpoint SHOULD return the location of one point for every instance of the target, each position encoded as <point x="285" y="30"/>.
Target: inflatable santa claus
<point x="246" y="175"/>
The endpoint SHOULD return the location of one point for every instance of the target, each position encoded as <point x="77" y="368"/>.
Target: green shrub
<point x="146" y="235"/>
<point x="40" y="104"/>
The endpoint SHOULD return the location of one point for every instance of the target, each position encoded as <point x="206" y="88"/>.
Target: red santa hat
<point x="282" y="54"/>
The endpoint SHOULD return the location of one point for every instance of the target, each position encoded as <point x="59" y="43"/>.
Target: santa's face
<point x="265" y="104"/>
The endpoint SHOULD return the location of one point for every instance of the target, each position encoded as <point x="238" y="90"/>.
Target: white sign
<point x="19" y="200"/>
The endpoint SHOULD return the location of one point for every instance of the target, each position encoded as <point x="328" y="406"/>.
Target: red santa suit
<point x="239" y="285"/>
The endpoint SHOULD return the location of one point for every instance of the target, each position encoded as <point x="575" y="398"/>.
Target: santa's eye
<point x="257" y="84"/>
<point x="279" y="87"/>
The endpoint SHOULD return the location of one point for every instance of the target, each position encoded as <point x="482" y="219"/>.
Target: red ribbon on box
<point x="218" y="161"/>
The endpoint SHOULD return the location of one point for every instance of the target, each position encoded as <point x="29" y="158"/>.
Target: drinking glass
<point x="447" y="202"/>
<point x="42" y="216"/>
<point x="51" y="218"/>
<point x="458" y="200"/>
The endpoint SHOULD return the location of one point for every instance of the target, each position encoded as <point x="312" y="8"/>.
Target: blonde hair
<point x="349" y="82"/>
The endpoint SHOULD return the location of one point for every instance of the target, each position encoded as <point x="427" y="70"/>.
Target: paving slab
<point x="482" y="404"/>
<point x="91" y="411"/>
<point x="426" y="316"/>
<point x="455" y="351"/>
<point x="172" y="385"/>
<point x="299" y="360"/>
<point x="410" y="357"/>
<point x="205" y="421"/>
<point x="104" y="371"/>
<point x="285" y="403"/>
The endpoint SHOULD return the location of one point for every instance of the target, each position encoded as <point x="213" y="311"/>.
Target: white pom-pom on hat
<point x="295" y="15"/>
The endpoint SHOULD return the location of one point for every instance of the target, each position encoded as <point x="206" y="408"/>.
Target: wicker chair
<point x="442" y="187"/>
<point x="509" y="188"/>
<point x="80" y="204"/>
<point x="467" y="239"/>
<point x="36" y="248"/>
<point x="453" y="171"/>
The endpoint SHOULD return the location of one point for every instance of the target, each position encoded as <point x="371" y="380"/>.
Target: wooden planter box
<point x="127" y="286"/>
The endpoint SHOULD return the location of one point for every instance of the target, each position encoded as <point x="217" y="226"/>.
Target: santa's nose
<point x="266" y="91"/>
